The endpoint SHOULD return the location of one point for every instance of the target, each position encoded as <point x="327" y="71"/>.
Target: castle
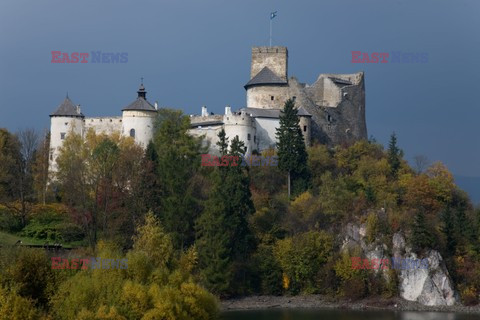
<point x="331" y="111"/>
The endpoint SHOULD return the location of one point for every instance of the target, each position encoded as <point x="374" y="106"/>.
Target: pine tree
<point x="213" y="244"/>
<point x="448" y="229"/>
<point x="395" y="155"/>
<point x="292" y="154"/>
<point x="224" y="239"/>
<point x="422" y="238"/>
<point x="149" y="188"/>
<point x="178" y="163"/>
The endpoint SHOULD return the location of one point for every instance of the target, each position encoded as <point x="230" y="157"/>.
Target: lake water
<point x="342" y="315"/>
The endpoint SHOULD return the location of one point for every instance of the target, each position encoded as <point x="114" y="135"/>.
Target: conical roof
<point x="265" y="77"/>
<point x="141" y="103"/>
<point x="67" y="109"/>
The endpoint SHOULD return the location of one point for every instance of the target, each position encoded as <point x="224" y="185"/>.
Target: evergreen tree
<point x="178" y="163"/>
<point x="148" y="188"/>
<point x="213" y="242"/>
<point x="292" y="153"/>
<point x="224" y="240"/>
<point x="238" y="202"/>
<point x="421" y="238"/>
<point x="395" y="155"/>
<point x="222" y="142"/>
<point x="448" y="229"/>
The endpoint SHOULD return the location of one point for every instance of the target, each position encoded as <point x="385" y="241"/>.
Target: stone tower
<point x="335" y="102"/>
<point x="67" y="118"/>
<point x="268" y="85"/>
<point x="138" y="118"/>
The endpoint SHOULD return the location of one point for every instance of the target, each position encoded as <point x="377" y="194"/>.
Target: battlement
<point x="269" y="50"/>
<point x="239" y="119"/>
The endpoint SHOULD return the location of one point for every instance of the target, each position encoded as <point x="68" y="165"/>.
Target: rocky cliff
<point x="431" y="286"/>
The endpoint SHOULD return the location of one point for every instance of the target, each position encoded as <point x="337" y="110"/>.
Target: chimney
<point x="156" y="105"/>
<point x="78" y="109"/>
<point x="228" y="110"/>
<point x="204" y="111"/>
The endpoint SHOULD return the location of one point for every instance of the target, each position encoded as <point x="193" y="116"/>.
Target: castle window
<point x="304" y="128"/>
<point x="329" y="118"/>
<point x="248" y="137"/>
<point x="110" y="120"/>
<point x="132" y="133"/>
<point x="272" y="97"/>
<point x="66" y="123"/>
<point x="254" y="138"/>
<point x="294" y="98"/>
<point x="62" y="135"/>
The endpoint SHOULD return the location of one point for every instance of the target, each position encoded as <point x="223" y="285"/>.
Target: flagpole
<point x="271" y="31"/>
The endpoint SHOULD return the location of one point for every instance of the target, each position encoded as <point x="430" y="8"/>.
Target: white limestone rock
<point x="432" y="286"/>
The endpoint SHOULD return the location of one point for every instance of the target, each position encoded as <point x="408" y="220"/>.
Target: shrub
<point x="353" y="282"/>
<point x="302" y="257"/>
<point x="469" y="296"/>
<point x="13" y="306"/>
<point x="372" y="227"/>
<point x="8" y="221"/>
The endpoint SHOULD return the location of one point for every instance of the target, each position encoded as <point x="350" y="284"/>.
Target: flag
<point x="273" y="15"/>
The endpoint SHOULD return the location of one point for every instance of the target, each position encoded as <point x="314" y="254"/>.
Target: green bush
<point x="301" y="259"/>
<point x="9" y="222"/>
<point x="37" y="230"/>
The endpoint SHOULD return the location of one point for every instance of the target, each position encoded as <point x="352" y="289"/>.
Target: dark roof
<point x="265" y="77"/>
<point x="140" y="104"/>
<point x="67" y="109"/>
<point x="206" y="123"/>
<point x="272" y="113"/>
<point x="303" y="112"/>
<point x="263" y="113"/>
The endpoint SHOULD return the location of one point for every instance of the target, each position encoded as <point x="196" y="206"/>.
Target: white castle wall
<point x="211" y="136"/>
<point x="105" y="125"/>
<point x="266" y="128"/>
<point x="243" y="126"/>
<point x="141" y="122"/>
<point x="61" y="127"/>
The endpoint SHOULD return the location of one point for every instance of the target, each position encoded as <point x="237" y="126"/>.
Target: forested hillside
<point x="188" y="229"/>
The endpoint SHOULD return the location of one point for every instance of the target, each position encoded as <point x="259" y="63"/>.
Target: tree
<point x="291" y="149"/>
<point x="40" y="169"/>
<point x="421" y="163"/>
<point x="224" y="240"/>
<point x="421" y="237"/>
<point x="18" y="153"/>
<point x="178" y="163"/>
<point x="95" y="176"/>
<point x="395" y="155"/>
<point x="448" y="229"/>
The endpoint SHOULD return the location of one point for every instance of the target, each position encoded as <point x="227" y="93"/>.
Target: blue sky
<point x="197" y="52"/>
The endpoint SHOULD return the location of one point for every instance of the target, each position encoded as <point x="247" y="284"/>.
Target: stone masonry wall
<point x="275" y="58"/>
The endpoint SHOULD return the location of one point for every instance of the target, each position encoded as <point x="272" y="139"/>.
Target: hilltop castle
<point x="331" y="111"/>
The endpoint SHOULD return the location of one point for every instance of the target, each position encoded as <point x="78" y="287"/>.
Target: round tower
<point x="66" y="119"/>
<point x="138" y="118"/>
<point x="305" y="125"/>
<point x="241" y="124"/>
<point x="268" y="85"/>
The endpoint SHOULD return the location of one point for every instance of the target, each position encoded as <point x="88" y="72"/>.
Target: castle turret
<point x="241" y="124"/>
<point x="67" y="118"/>
<point x="138" y="118"/>
<point x="268" y="85"/>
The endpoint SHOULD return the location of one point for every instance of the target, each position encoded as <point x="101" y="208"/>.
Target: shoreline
<point x="320" y="302"/>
